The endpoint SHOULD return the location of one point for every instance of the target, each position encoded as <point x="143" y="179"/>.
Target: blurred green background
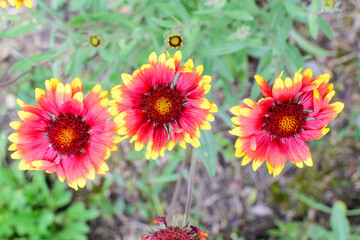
<point x="234" y="40"/>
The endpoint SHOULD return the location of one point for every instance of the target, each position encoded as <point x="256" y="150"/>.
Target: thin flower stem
<point x="190" y="185"/>
<point x="175" y="196"/>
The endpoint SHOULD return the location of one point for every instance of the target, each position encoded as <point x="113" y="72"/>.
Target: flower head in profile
<point x="65" y="133"/>
<point x="278" y="126"/>
<point x="175" y="232"/>
<point x="18" y="3"/>
<point x="163" y="103"/>
<point x="175" y="40"/>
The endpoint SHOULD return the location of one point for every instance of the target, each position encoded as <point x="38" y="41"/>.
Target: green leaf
<point x="325" y="27"/>
<point x="182" y="11"/>
<point x="294" y="55"/>
<point x="19" y="29"/>
<point x="239" y="15"/>
<point x="46" y="219"/>
<point x="276" y="15"/>
<point x="112" y="18"/>
<point x="314" y="6"/>
<point x="339" y="222"/>
<point x="222" y="49"/>
<point x="78" y="5"/>
<point x="314" y="26"/>
<point x="25" y="63"/>
<point x="163" y="23"/>
<point x="308" y="46"/>
<point x="223" y="68"/>
<point x="77" y="211"/>
<point x="206" y="12"/>
<point x="248" y="5"/>
<point x="62" y="199"/>
<point x="281" y="38"/>
<point x="295" y="11"/>
<point x="312" y="203"/>
<point x="207" y="152"/>
<point x="55" y="4"/>
<point x="73" y="231"/>
<point x="165" y="178"/>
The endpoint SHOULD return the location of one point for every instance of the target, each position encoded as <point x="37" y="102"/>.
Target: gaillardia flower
<point x="3" y="3"/>
<point x="95" y="41"/>
<point x="175" y="41"/>
<point x="175" y="232"/>
<point x="65" y="134"/>
<point x="163" y="103"/>
<point x="276" y="127"/>
<point x="17" y="3"/>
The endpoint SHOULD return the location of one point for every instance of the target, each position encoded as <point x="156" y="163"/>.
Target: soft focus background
<point x="234" y="40"/>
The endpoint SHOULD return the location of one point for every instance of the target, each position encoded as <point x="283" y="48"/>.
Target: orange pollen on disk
<point x="163" y="104"/>
<point x="285" y="119"/>
<point x="288" y="123"/>
<point x="68" y="134"/>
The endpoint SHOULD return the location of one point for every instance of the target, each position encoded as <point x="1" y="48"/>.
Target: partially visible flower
<point x="175" y="40"/>
<point x="3" y="3"/>
<point x="163" y="103"/>
<point x="95" y="41"/>
<point x="17" y="3"/>
<point x="276" y="127"/>
<point x="175" y="232"/>
<point x="329" y="3"/>
<point x="65" y="134"/>
<point x="331" y="6"/>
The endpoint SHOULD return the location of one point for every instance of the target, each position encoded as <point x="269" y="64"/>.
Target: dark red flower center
<point x="68" y="134"/>
<point x="285" y="119"/>
<point x="172" y="233"/>
<point x="163" y="105"/>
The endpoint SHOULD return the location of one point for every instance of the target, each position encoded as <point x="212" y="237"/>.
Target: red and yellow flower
<point x="276" y="127"/>
<point x="175" y="232"/>
<point x="175" y="41"/>
<point x="163" y="103"/>
<point x="65" y="133"/>
<point x="18" y="3"/>
<point x="95" y="41"/>
<point x="3" y="3"/>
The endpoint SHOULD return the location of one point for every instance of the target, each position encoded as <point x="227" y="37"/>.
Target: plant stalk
<point x="190" y="185"/>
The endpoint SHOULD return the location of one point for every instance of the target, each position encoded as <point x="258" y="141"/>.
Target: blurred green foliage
<point x="31" y="210"/>
<point x="340" y="228"/>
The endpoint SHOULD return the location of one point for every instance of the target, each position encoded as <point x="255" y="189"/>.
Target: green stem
<point x="190" y="185"/>
<point x="175" y="196"/>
